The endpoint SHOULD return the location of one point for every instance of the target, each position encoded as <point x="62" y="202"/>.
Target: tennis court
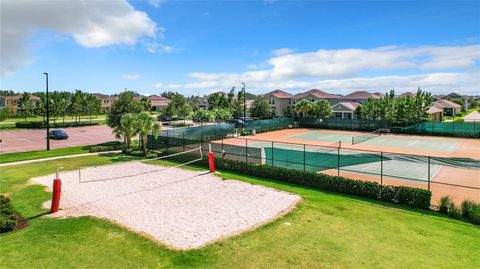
<point x="384" y="140"/>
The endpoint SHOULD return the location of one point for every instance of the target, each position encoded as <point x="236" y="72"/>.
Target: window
<point x="338" y="115"/>
<point x="272" y="101"/>
<point x="348" y="115"/>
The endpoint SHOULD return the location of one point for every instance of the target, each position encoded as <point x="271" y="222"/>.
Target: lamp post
<point x="244" y="105"/>
<point x="48" y="113"/>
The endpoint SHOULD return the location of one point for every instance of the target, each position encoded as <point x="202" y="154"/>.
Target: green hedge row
<point x="107" y="146"/>
<point x="38" y="124"/>
<point x="413" y="197"/>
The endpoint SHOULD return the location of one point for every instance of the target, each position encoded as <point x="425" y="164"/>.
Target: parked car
<point x="58" y="134"/>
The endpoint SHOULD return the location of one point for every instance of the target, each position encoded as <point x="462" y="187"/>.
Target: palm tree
<point x="305" y="107"/>
<point x="146" y="124"/>
<point x="128" y="128"/>
<point x="321" y="109"/>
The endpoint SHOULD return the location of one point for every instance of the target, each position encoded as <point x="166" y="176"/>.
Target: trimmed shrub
<point x="467" y="208"/>
<point x="454" y="211"/>
<point x="39" y="124"/>
<point x="108" y="146"/>
<point x="444" y="203"/>
<point x="8" y="221"/>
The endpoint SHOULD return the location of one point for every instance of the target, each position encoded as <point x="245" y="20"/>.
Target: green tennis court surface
<point x="314" y="159"/>
<point x="384" y="140"/>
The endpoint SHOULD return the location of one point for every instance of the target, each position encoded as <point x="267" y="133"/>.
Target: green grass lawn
<point x="38" y="154"/>
<point x="327" y="230"/>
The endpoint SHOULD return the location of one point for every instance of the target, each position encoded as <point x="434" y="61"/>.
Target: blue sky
<point x="196" y="47"/>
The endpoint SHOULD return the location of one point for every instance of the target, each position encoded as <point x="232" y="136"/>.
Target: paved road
<point x="27" y="140"/>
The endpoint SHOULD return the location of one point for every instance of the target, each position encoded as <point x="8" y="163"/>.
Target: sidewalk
<point x="59" y="157"/>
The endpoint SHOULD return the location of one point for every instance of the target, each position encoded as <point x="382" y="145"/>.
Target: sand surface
<point x="180" y="208"/>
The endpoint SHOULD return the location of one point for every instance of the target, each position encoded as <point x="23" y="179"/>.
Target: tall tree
<point x="146" y="103"/>
<point x="4" y="113"/>
<point x="94" y="105"/>
<point x="75" y="107"/>
<point x="304" y="107"/>
<point x="125" y="104"/>
<point x="237" y="107"/>
<point x="217" y="100"/>
<point x="321" y="109"/>
<point x="146" y="125"/>
<point x="202" y="116"/>
<point x="178" y="106"/>
<point x="25" y="105"/>
<point x="128" y="128"/>
<point x="260" y="108"/>
<point x="221" y="114"/>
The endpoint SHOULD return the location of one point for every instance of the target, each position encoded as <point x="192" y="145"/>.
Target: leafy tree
<point x="94" y="105"/>
<point x="237" y="106"/>
<point x="203" y="115"/>
<point x="58" y="104"/>
<point x="146" y="103"/>
<point x="146" y="125"/>
<point x="4" y="114"/>
<point x="168" y="94"/>
<point x="221" y="114"/>
<point x="288" y="112"/>
<point x="321" y="109"/>
<point x="217" y="100"/>
<point x="25" y="105"/>
<point x="260" y="108"/>
<point x="304" y="107"/>
<point x="128" y="128"/>
<point x="178" y="106"/>
<point x="76" y="104"/>
<point x="125" y="104"/>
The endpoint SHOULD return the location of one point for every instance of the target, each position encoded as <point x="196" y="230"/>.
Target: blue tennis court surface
<point x="385" y="141"/>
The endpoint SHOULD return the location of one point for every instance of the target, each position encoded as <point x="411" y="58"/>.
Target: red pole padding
<point x="57" y="188"/>
<point x="211" y="162"/>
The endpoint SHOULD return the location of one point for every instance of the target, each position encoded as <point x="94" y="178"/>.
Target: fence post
<point x="272" y="153"/>
<point x="246" y="150"/>
<point x="222" y="144"/>
<point x="304" y="158"/>
<point x="183" y="141"/>
<point x="381" y="168"/>
<point x="428" y="172"/>
<point x="166" y="142"/>
<point x="338" y="161"/>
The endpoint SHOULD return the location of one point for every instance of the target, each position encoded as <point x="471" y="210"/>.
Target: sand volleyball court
<point x="180" y="208"/>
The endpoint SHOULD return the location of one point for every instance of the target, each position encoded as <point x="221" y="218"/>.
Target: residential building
<point x="360" y="97"/>
<point x="435" y="114"/>
<point x="346" y="110"/>
<point x="279" y="101"/>
<point x="449" y="108"/>
<point x="407" y="94"/>
<point x="472" y="117"/>
<point x="10" y="102"/>
<point x="315" y="95"/>
<point x="158" y="102"/>
<point x="106" y="101"/>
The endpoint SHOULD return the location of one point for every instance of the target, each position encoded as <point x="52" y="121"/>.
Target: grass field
<point x="327" y="230"/>
<point x="39" y="154"/>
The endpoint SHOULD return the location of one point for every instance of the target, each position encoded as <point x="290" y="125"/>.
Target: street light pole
<point x="48" y="113"/>
<point x="244" y="104"/>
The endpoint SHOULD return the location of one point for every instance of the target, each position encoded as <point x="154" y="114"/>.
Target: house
<point x="449" y="108"/>
<point x="360" y="97"/>
<point x="158" y="102"/>
<point x="279" y="101"/>
<point x="346" y="110"/>
<point x="435" y="113"/>
<point x="10" y="102"/>
<point x="407" y="94"/>
<point x="315" y="95"/>
<point x="106" y="101"/>
<point x="472" y="117"/>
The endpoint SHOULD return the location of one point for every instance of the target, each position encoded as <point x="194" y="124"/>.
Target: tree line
<point x="61" y="104"/>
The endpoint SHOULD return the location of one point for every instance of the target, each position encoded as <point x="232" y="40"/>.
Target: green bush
<point x="467" y="208"/>
<point x="8" y="221"/>
<point x="413" y="197"/>
<point x="108" y="146"/>
<point x="454" y="211"/>
<point x="444" y="203"/>
<point x="39" y="124"/>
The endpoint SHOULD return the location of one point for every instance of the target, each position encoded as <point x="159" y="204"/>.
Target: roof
<point x="361" y="95"/>
<point x="104" y="96"/>
<point x="379" y="94"/>
<point x="278" y="94"/>
<point x="17" y="97"/>
<point x="158" y="100"/>
<point x="316" y="93"/>
<point x="156" y="97"/>
<point x="433" y="110"/>
<point x="352" y="106"/>
<point x="407" y="94"/>
<point x="474" y="116"/>
<point x="446" y="104"/>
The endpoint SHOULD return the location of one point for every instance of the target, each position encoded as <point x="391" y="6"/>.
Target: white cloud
<point x="282" y="52"/>
<point x="156" y="3"/>
<point x="155" y="47"/>
<point x="131" y="76"/>
<point x="92" y="24"/>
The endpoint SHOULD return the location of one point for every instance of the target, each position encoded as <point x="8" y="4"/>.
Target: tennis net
<point x="362" y="138"/>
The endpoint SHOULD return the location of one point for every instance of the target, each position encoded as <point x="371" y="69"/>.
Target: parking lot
<point x="27" y="140"/>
